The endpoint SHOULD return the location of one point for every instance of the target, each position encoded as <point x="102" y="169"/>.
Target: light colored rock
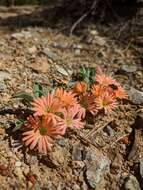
<point x="132" y="183"/>
<point x="57" y="158"/>
<point x="77" y="152"/>
<point x="21" y="35"/>
<point x="32" y="49"/>
<point x="109" y="131"/>
<point x="77" y="51"/>
<point x="18" y="172"/>
<point x="41" y="65"/>
<point x="97" y="165"/>
<point x="76" y="187"/>
<point x="141" y="167"/>
<point x="136" y="96"/>
<point x="2" y="87"/>
<point x="50" y="54"/>
<point x="63" y="71"/>
<point x="4" y="75"/>
<point x="129" y="68"/>
<point x="17" y="164"/>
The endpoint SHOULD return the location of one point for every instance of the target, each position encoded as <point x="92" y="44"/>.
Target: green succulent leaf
<point x="26" y="98"/>
<point x="87" y="74"/>
<point x="38" y="90"/>
<point x="18" y="124"/>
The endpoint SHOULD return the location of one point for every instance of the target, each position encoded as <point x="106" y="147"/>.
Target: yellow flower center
<point x="69" y="121"/>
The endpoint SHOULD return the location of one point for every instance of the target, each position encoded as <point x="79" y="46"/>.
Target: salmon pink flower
<point x="105" y="80"/>
<point x="66" y="98"/>
<point x="47" y="106"/>
<point x="41" y="134"/>
<point x="97" y="90"/>
<point x="87" y="101"/>
<point x="34" y="138"/>
<point x="71" y="118"/>
<point x="106" y="101"/>
<point x="121" y="93"/>
<point x="80" y="87"/>
<point x="102" y="79"/>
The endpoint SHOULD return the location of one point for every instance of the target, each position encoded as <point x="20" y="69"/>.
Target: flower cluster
<point x="104" y="94"/>
<point x="52" y="116"/>
<point x="63" y="109"/>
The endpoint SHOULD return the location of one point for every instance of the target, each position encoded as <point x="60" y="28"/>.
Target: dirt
<point x="97" y="157"/>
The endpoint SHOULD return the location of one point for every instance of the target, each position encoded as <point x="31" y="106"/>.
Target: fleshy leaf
<point x="38" y="90"/>
<point x="26" y="97"/>
<point x="18" y="124"/>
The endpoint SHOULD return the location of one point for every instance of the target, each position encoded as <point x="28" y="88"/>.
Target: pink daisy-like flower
<point x="66" y="98"/>
<point x="41" y="134"/>
<point x="105" y="80"/>
<point x="71" y="118"/>
<point x="97" y="90"/>
<point x="87" y="101"/>
<point x="80" y="87"/>
<point x="106" y="101"/>
<point x="34" y="138"/>
<point x="121" y="93"/>
<point x="47" y="106"/>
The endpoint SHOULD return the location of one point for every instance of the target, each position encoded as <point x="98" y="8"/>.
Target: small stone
<point x="77" y="152"/>
<point x="99" y="40"/>
<point x="21" y="35"/>
<point x="129" y="129"/>
<point x="131" y="183"/>
<point x="62" y="71"/>
<point x="139" y="74"/>
<point x="62" y="142"/>
<point x="4" y="75"/>
<point x="117" y="162"/>
<point x="18" y="172"/>
<point x="10" y="154"/>
<point x="141" y="167"/>
<point x="94" y="32"/>
<point x="129" y="68"/>
<point x="25" y="169"/>
<point x="77" y="51"/>
<point x="18" y="164"/>
<point x="32" y="49"/>
<point x="56" y="158"/>
<point x="76" y="187"/>
<point x="50" y="54"/>
<point x="136" y="96"/>
<point x="109" y="131"/>
<point x="84" y="186"/>
<point x="41" y="65"/>
<point x="78" y="164"/>
<point x="2" y="87"/>
<point x="97" y="165"/>
<point x="30" y="184"/>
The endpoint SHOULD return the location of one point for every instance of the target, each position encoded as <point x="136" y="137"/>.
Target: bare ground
<point x="100" y="156"/>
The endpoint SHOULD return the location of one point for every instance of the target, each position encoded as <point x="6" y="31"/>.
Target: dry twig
<point x="93" y="6"/>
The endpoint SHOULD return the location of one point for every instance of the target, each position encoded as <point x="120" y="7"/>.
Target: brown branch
<point x="93" y="6"/>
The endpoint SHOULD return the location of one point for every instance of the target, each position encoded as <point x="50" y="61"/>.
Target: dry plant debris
<point x="45" y="60"/>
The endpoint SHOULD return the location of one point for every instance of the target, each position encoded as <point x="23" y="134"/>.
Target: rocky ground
<point x="106" y="155"/>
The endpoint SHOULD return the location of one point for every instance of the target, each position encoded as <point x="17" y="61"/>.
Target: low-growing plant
<point x="61" y="109"/>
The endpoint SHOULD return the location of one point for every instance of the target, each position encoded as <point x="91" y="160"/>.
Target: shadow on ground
<point x="118" y="17"/>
